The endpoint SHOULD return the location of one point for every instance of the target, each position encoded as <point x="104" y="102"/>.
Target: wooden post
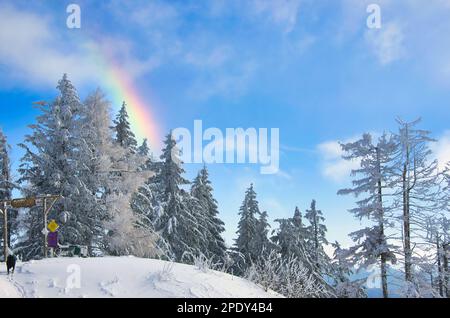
<point x="46" y="210"/>
<point x="45" y="227"/>
<point x="4" y="210"/>
<point x="28" y="203"/>
<point x="5" y="230"/>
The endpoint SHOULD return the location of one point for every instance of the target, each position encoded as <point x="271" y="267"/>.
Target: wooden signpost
<point x="4" y="211"/>
<point x="46" y="201"/>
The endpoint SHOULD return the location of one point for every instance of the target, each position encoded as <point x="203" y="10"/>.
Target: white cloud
<point x="441" y="150"/>
<point x="36" y="54"/>
<point x="217" y="57"/>
<point x="122" y="51"/>
<point x="219" y="65"/>
<point x="230" y="80"/>
<point x="39" y="50"/>
<point x="330" y="150"/>
<point x="305" y="43"/>
<point x="28" y="49"/>
<point x="387" y="43"/>
<point x="151" y="14"/>
<point x="280" y="12"/>
<point x="333" y="166"/>
<point x="410" y="29"/>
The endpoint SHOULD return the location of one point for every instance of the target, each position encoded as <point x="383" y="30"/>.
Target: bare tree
<point x="416" y="187"/>
<point x="372" y="179"/>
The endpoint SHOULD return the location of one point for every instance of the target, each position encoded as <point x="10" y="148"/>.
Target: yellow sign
<point x="53" y="226"/>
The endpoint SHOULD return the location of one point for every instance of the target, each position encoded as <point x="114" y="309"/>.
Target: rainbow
<point x="120" y="88"/>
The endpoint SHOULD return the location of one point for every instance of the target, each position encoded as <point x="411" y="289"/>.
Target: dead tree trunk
<point x="446" y="252"/>
<point x="384" y="283"/>
<point x="406" y="225"/>
<point x="440" y="269"/>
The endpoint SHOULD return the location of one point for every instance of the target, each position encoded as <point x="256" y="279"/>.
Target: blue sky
<point x="311" y="68"/>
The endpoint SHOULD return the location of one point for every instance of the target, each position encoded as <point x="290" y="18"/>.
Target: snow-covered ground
<point x="121" y="277"/>
<point x="7" y="288"/>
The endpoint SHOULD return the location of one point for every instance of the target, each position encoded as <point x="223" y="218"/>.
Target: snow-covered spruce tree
<point x="144" y="151"/>
<point x="247" y="241"/>
<point x="124" y="136"/>
<point x="144" y="205"/>
<point x="195" y="232"/>
<point x="48" y="167"/>
<point x="6" y="184"/>
<point x="263" y="242"/>
<point x="92" y="159"/>
<point x="345" y="288"/>
<point x="202" y="191"/>
<point x="317" y="237"/>
<point x="372" y="180"/>
<point x="291" y="236"/>
<point x="415" y="188"/>
<point x="162" y="203"/>
<point x="109" y="173"/>
<point x="253" y="228"/>
<point x="6" y="187"/>
<point x="126" y="233"/>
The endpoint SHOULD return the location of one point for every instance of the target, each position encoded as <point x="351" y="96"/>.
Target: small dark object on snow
<point x="11" y="263"/>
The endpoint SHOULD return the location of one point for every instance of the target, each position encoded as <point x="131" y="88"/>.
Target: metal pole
<point x="45" y="228"/>
<point x="5" y="231"/>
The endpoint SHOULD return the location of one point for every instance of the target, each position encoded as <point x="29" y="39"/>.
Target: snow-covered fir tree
<point x="72" y="152"/>
<point x="124" y="136"/>
<point x="297" y="220"/>
<point x="248" y="243"/>
<point x="92" y="160"/>
<point x="109" y="174"/>
<point x="316" y="236"/>
<point x="291" y="236"/>
<point x="6" y="184"/>
<point x="264" y="243"/>
<point x="126" y="233"/>
<point x="144" y="151"/>
<point x="372" y="180"/>
<point x="6" y="187"/>
<point x="344" y="286"/>
<point x="202" y="192"/>
<point x="144" y="205"/>
<point x="48" y="167"/>
<point x="293" y="240"/>
<point x="163" y="203"/>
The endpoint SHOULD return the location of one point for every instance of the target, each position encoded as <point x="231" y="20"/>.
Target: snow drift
<point x="122" y="277"/>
